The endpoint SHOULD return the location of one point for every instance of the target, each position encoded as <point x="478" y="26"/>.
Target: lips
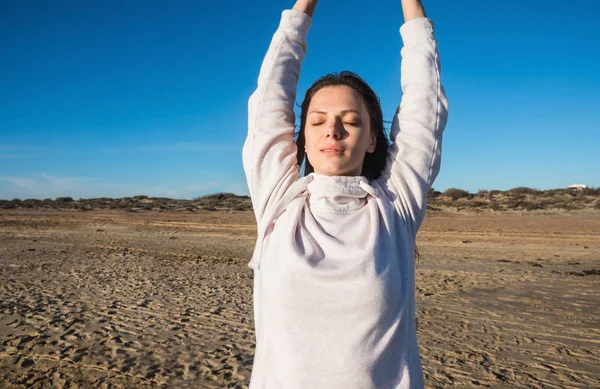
<point x="332" y="151"/>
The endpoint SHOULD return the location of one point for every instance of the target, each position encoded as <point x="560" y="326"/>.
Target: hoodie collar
<point x="339" y="193"/>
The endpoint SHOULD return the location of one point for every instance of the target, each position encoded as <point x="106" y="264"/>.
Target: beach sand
<point x="112" y="299"/>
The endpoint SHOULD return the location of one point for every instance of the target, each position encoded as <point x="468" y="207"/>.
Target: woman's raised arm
<point x="414" y="159"/>
<point x="269" y="153"/>
<point x="306" y="6"/>
<point x="412" y="9"/>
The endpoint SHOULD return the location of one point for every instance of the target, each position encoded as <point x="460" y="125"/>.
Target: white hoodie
<point x="334" y="283"/>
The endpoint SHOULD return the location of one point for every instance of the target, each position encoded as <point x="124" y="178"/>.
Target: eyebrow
<point x="342" y="113"/>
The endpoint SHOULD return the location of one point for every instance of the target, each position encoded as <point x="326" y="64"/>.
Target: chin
<point x="334" y="167"/>
<point x="335" y="171"/>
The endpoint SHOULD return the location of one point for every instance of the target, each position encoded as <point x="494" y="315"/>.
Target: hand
<point x="306" y="6"/>
<point x="412" y="9"/>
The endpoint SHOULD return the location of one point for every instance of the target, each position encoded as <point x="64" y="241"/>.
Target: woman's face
<point x="337" y="132"/>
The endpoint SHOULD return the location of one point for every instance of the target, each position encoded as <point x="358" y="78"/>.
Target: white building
<point x="578" y="187"/>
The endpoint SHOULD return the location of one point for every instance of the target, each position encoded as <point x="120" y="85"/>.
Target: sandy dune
<point x="108" y="299"/>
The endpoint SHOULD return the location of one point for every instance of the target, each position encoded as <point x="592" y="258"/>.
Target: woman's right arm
<point x="269" y="153"/>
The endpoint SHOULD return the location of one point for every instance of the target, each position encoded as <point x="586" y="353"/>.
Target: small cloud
<point x="65" y="183"/>
<point x="43" y="186"/>
<point x="19" y="184"/>
<point x="19" y="152"/>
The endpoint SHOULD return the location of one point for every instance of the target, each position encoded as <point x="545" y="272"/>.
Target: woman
<point x="334" y="284"/>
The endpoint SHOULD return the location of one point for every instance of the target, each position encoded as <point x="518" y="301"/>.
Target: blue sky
<point x="113" y="98"/>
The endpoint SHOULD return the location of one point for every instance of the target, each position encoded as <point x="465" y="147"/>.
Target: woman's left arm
<point x="412" y="9"/>
<point x="414" y="158"/>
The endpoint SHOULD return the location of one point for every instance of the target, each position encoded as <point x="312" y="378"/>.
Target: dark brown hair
<point x="374" y="162"/>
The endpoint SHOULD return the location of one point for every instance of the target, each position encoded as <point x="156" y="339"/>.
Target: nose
<point x="335" y="129"/>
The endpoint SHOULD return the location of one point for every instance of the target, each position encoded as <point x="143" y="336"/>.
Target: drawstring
<point x="368" y="188"/>
<point x="295" y="189"/>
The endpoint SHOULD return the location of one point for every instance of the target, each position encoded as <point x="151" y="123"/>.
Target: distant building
<point x="578" y="187"/>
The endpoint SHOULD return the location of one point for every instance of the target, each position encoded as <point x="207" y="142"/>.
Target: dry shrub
<point x="531" y="206"/>
<point x="523" y="190"/>
<point x="476" y="204"/>
<point x="549" y="203"/>
<point x="217" y="196"/>
<point x="513" y="204"/>
<point x="524" y="204"/>
<point x="5" y="204"/>
<point x="432" y="193"/>
<point x="455" y="193"/>
<point x="492" y="194"/>
<point x="31" y="203"/>
<point x="567" y="204"/>
<point x="591" y="192"/>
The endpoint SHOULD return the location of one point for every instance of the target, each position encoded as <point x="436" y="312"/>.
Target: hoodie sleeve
<point x="414" y="157"/>
<point x="269" y="152"/>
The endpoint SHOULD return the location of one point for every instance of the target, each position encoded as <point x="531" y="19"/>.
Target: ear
<point x="373" y="144"/>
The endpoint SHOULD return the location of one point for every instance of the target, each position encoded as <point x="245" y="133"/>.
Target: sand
<point x="112" y="299"/>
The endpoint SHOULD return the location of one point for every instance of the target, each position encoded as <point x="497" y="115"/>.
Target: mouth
<point x="331" y="151"/>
